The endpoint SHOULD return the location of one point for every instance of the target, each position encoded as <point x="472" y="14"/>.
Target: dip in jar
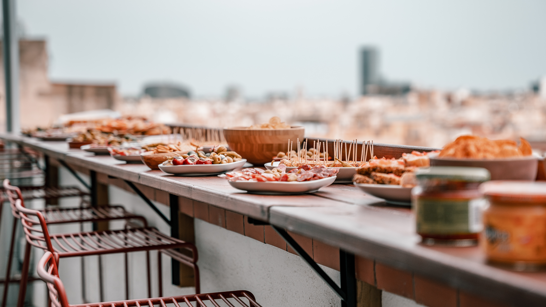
<point x="515" y="224"/>
<point x="447" y="203"/>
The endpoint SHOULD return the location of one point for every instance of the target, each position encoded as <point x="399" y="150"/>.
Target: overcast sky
<point x="278" y="45"/>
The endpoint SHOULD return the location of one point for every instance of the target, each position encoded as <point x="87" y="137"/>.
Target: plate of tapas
<point x="345" y="157"/>
<point x="390" y="193"/>
<point x="304" y="179"/>
<point x="504" y="159"/>
<point x="198" y="163"/>
<point x="391" y="179"/>
<point x="200" y="167"/>
<point x="129" y="155"/>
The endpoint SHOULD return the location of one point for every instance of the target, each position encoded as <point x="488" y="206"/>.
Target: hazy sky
<point x="277" y="45"/>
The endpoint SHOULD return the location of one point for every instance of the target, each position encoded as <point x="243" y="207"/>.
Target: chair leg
<point x="24" y="277"/>
<point x="10" y="259"/>
<point x="126" y="276"/>
<point x="148" y="273"/>
<point x="101" y="285"/>
<point x="159" y="274"/>
<point x="196" y="279"/>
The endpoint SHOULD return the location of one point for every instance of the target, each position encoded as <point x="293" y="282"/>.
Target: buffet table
<point x="388" y="254"/>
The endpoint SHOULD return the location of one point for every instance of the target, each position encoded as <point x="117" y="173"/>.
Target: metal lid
<point x="517" y="191"/>
<point x="468" y="174"/>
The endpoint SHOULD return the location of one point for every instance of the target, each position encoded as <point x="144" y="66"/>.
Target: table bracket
<point x="30" y="158"/>
<point x="347" y="287"/>
<point x="65" y="165"/>
<point x="256" y="222"/>
<point x="148" y="201"/>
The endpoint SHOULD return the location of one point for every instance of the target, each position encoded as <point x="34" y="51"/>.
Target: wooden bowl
<point x="152" y="160"/>
<point x="77" y="145"/>
<point x="259" y="146"/>
<point x="521" y="168"/>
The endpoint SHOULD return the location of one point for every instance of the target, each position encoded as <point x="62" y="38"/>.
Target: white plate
<point x="282" y="187"/>
<point x="131" y="159"/>
<point x="100" y="150"/>
<point x="388" y="192"/>
<point x="268" y="165"/>
<point x="57" y="138"/>
<point x="345" y="174"/>
<point x="200" y="168"/>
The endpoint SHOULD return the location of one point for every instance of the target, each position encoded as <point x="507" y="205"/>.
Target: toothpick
<point x="326" y="155"/>
<point x="288" y="148"/>
<point x="298" y="151"/>
<point x="362" y="153"/>
<point x="355" y="152"/>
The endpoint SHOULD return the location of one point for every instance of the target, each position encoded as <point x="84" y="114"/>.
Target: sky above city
<point x="279" y="45"/>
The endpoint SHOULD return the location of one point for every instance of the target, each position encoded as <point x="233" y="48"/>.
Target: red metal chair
<point x="58" y="215"/>
<point x="48" y="272"/>
<point x="96" y="243"/>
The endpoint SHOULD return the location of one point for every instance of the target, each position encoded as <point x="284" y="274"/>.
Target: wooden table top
<point x="339" y="215"/>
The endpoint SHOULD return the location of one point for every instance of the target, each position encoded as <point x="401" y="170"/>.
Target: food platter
<point x="55" y="138"/>
<point x="516" y="168"/>
<point x="282" y="187"/>
<point x="345" y="174"/>
<point x="391" y="193"/>
<point x="96" y="149"/>
<point x="129" y="159"/>
<point x="200" y="169"/>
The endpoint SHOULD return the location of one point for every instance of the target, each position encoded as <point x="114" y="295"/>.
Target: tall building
<point x="369" y="68"/>
<point x="371" y="82"/>
<point x="43" y="100"/>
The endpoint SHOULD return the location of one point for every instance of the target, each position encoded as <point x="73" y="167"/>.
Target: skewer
<point x="326" y="155"/>
<point x="335" y="150"/>
<point x="355" y="151"/>
<point x="348" y="154"/>
<point x="288" y="149"/>
<point x="362" y="153"/>
<point x="317" y="153"/>
<point x="298" y="152"/>
<point x="372" y="150"/>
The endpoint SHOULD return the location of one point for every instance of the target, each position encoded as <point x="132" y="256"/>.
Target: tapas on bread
<point x="392" y="171"/>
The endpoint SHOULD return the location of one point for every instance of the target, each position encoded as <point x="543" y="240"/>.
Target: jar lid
<point x="524" y="191"/>
<point x="468" y="174"/>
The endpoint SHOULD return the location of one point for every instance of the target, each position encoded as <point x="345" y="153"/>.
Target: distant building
<point x="41" y="100"/>
<point x="80" y="96"/>
<point x="166" y="90"/>
<point x="369" y="69"/>
<point x="371" y="82"/>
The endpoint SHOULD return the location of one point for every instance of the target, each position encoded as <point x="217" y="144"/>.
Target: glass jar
<point x="515" y="224"/>
<point x="447" y="203"/>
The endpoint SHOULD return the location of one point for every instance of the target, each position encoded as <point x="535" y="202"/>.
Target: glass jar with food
<point x="447" y="203"/>
<point x="515" y="224"/>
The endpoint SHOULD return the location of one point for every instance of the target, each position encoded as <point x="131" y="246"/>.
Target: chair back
<point x="48" y="272"/>
<point x="35" y="227"/>
<point x="13" y="193"/>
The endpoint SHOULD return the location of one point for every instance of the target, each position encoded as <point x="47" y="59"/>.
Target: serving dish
<point x="54" y="138"/>
<point x="258" y="146"/>
<point x="390" y="193"/>
<point x="282" y="187"/>
<point x="129" y="159"/>
<point x="77" y="145"/>
<point x="344" y="175"/>
<point x="201" y="169"/>
<point x="518" y="168"/>
<point x="96" y="149"/>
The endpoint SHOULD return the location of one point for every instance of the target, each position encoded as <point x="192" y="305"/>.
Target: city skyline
<point x="211" y="45"/>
